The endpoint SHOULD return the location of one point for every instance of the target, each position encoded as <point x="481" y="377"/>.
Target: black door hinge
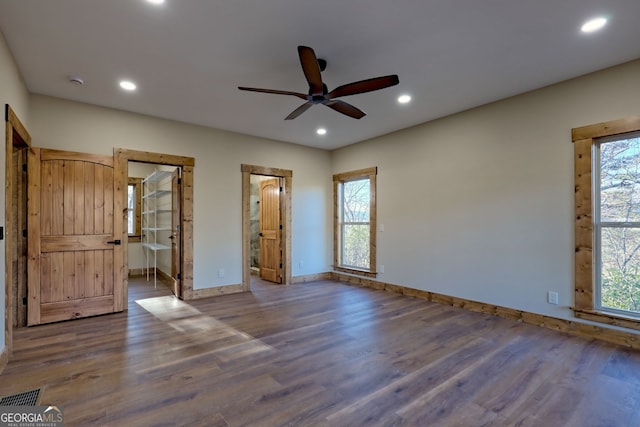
<point x="24" y="167"/>
<point x="281" y="189"/>
<point x="280" y="226"/>
<point x="24" y="301"/>
<point x="179" y="181"/>
<point x="24" y="233"/>
<point x="179" y="276"/>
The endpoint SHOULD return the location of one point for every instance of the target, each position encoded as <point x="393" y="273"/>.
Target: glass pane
<point x="356" y="201"/>
<point x="355" y="241"/>
<point x="131" y="211"/>
<point x="620" y="269"/>
<point x="620" y="181"/>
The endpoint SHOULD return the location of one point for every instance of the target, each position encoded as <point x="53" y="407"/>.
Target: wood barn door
<point x="176" y="235"/>
<point x="75" y="257"/>
<point x="270" y="231"/>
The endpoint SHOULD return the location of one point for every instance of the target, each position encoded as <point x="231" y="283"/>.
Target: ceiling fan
<point x="318" y="93"/>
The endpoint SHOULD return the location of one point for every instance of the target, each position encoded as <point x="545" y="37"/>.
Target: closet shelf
<point x="156" y="246"/>
<point x="156" y="194"/>
<point x="156" y="211"/>
<point x="157" y="176"/>
<point x="156" y="228"/>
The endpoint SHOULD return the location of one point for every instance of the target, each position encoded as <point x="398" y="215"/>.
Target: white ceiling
<point x="189" y="56"/>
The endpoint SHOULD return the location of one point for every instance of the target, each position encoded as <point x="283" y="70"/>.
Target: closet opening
<point x="153" y="224"/>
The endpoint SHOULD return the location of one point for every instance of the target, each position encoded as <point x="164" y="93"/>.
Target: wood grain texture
<point x="17" y="141"/>
<point x="319" y="354"/>
<point x="285" y="199"/>
<point x="613" y="127"/>
<point x="585" y="139"/>
<point x="619" y="337"/>
<point x="584" y="291"/>
<point x="122" y="157"/>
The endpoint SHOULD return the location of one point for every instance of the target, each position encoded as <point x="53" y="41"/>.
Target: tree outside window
<point x="134" y="206"/>
<point x="617" y="225"/>
<point x="354" y="227"/>
<point x="607" y="222"/>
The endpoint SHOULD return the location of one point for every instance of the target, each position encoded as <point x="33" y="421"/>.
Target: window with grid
<point x="354" y="221"/>
<point x="617" y="224"/>
<point x="607" y="222"/>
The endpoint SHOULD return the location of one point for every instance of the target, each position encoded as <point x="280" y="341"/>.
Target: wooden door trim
<point x="13" y="128"/>
<point x="122" y="157"/>
<point x="287" y="178"/>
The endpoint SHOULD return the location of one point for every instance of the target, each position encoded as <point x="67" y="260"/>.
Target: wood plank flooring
<point x="319" y="354"/>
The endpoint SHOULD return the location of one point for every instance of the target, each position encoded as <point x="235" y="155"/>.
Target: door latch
<point x="114" y="242"/>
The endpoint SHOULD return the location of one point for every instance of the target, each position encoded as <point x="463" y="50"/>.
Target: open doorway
<point x="17" y="143"/>
<point x="153" y="224"/>
<point x="173" y="216"/>
<point x="266" y="210"/>
<point x="266" y="228"/>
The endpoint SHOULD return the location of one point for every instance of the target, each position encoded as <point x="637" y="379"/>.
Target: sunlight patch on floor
<point x="187" y="319"/>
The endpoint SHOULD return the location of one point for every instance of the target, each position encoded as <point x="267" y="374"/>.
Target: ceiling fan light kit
<point x="318" y="92"/>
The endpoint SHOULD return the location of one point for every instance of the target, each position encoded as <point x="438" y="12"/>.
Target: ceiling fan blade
<point x="301" y="109"/>
<point x="277" y="92"/>
<point x="346" y="109"/>
<point x="311" y="69"/>
<point x="363" y="86"/>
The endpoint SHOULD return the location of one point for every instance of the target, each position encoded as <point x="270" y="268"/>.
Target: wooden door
<point x="75" y="260"/>
<point x="176" y="235"/>
<point x="270" y="230"/>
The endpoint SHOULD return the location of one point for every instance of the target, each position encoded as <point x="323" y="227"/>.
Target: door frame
<point x="13" y="128"/>
<point x="285" y="211"/>
<point x="121" y="158"/>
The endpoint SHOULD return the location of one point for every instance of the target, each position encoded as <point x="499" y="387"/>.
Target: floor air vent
<point x="27" y="398"/>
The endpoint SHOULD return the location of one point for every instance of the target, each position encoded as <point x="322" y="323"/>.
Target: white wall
<point x="73" y="126"/>
<point x="12" y="92"/>
<point x="480" y="205"/>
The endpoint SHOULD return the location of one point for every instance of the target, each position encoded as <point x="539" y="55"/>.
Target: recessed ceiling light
<point x="593" y="25"/>
<point x="128" y="85"/>
<point x="403" y="99"/>
<point x="321" y="131"/>
<point x="156" y="1"/>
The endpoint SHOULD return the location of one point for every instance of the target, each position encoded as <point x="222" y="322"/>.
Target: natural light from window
<point x="617" y="225"/>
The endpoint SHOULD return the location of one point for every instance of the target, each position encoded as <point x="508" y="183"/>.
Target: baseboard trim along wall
<point x="217" y="291"/>
<point x="615" y="336"/>
<point x="311" y="278"/>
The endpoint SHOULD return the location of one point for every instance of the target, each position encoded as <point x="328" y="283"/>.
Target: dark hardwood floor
<point x="319" y="354"/>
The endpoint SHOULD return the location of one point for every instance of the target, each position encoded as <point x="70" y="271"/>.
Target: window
<point x="607" y="222"/>
<point x="355" y="222"/>
<point x="134" y="206"/>
<point x="617" y="224"/>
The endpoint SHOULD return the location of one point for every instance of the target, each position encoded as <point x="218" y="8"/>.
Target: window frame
<point x="137" y="183"/>
<point x="584" y="141"/>
<point x="338" y="180"/>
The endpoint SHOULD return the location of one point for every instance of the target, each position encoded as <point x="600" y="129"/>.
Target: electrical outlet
<point x="552" y="297"/>
<point x="300" y="264"/>
<point x="381" y="269"/>
<point x="221" y="272"/>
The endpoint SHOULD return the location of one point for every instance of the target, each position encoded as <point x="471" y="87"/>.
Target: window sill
<point x="365" y="273"/>
<point x="608" y="318"/>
